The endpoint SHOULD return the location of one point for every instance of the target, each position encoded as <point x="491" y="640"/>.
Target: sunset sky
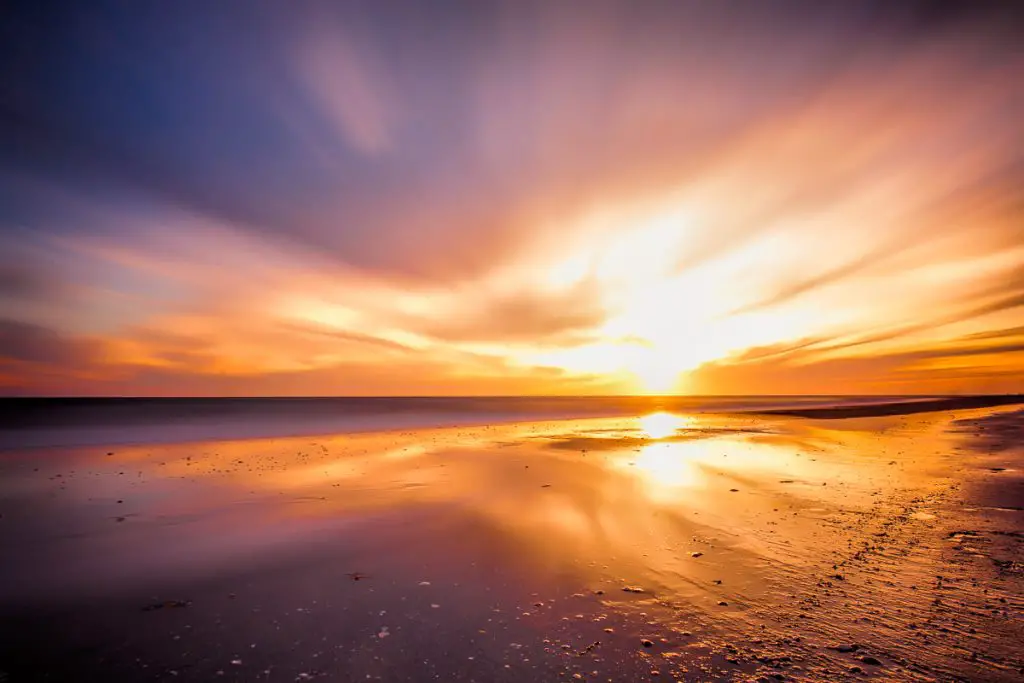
<point x="281" y="198"/>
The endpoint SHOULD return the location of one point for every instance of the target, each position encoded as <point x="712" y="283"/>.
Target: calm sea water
<point x="93" y="421"/>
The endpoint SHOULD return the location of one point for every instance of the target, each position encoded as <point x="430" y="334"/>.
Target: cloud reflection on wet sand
<point x="726" y="525"/>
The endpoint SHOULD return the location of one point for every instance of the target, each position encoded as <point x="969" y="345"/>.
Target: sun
<point x="655" y="380"/>
<point x="654" y="372"/>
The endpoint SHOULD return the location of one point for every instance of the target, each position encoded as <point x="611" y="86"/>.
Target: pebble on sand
<point x="166" y="604"/>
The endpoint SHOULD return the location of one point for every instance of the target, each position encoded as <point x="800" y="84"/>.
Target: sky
<point x="496" y="198"/>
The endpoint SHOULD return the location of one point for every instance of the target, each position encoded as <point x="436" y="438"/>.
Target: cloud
<point x="530" y="317"/>
<point x="241" y="122"/>
<point x="341" y="83"/>
<point x="953" y="365"/>
<point x="347" y="336"/>
<point x="281" y="191"/>
<point x="21" y="283"/>
<point x="35" y="344"/>
<point x="1006" y="333"/>
<point x="413" y="377"/>
<point x="832" y="275"/>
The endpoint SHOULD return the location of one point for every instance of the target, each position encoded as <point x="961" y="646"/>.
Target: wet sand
<point x="661" y="547"/>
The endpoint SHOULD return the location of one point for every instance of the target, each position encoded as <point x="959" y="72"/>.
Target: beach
<point x="638" y="541"/>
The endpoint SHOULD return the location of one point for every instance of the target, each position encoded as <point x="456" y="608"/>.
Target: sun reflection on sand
<point x="670" y="465"/>
<point x="660" y="425"/>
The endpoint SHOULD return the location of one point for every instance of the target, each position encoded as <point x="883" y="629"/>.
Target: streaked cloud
<point x="511" y="198"/>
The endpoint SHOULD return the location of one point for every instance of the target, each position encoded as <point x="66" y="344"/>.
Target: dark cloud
<point x="988" y="350"/>
<point x="1005" y="333"/>
<point x="21" y="282"/>
<point x="21" y="341"/>
<point x="1005" y="303"/>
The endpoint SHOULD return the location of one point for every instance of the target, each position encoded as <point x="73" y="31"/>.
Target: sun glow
<point x="636" y="276"/>
<point x="663" y="319"/>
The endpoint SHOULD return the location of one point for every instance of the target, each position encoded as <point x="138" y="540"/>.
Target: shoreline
<point x="119" y="422"/>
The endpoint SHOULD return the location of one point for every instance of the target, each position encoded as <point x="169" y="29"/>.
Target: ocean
<point x="61" y="422"/>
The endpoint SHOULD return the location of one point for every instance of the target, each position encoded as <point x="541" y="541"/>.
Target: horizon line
<point x="484" y="396"/>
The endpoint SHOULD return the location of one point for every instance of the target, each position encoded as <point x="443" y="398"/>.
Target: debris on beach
<point x="166" y="604"/>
